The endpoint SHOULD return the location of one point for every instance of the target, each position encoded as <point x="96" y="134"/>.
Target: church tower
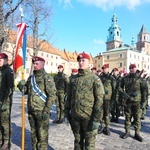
<point x="143" y="39"/>
<point x="114" y="34"/>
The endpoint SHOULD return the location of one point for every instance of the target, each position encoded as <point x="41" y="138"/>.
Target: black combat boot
<point x="56" y="120"/>
<point x="106" y="131"/>
<point x="138" y="137"/>
<point x="126" y="135"/>
<point x="100" y="129"/>
<point x="60" y="121"/>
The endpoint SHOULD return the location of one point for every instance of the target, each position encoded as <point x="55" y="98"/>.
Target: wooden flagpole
<point x="23" y="116"/>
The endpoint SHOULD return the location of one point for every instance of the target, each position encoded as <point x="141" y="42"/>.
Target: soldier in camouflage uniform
<point x="115" y="110"/>
<point x="109" y="84"/>
<point x="61" y="81"/>
<point x="84" y="104"/>
<point x="135" y="87"/>
<point x="41" y="91"/>
<point x="93" y="70"/>
<point x="144" y="108"/>
<point x="6" y="93"/>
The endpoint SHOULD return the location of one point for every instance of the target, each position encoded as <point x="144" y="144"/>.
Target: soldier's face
<point x="83" y="63"/>
<point x="132" y="70"/>
<point x="38" y="65"/>
<point x="2" y="62"/>
<point x="105" y="70"/>
<point x="60" y="69"/>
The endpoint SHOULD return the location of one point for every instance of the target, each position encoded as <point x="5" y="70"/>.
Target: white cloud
<point x="107" y="4"/>
<point x="65" y="3"/>
<point x="98" y="41"/>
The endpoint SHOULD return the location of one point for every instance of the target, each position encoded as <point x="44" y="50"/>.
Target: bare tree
<point x="37" y="15"/>
<point x="7" y="8"/>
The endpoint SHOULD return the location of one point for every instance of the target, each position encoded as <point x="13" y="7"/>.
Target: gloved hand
<point x="95" y="125"/>
<point x="21" y="84"/>
<point x="45" y="115"/>
<point x="4" y="107"/>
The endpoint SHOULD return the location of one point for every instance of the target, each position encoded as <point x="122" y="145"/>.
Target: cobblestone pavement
<point x="61" y="137"/>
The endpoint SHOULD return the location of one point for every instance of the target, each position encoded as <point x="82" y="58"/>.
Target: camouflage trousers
<point x="115" y="110"/>
<point x="39" y="131"/>
<point x="132" y="109"/>
<point x="5" y="126"/>
<point x="84" y="136"/>
<point x="60" y="105"/>
<point x="105" y="119"/>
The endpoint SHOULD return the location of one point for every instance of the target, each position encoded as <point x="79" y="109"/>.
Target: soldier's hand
<point x="95" y="125"/>
<point x="21" y="84"/>
<point x="4" y="107"/>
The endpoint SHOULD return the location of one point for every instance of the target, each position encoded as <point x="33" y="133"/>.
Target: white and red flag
<point x="20" y="49"/>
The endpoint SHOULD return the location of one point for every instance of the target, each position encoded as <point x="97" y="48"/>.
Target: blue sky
<point x="82" y="25"/>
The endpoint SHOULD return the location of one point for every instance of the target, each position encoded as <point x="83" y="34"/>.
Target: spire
<point x="143" y="30"/>
<point x="132" y="42"/>
<point x="114" y="30"/>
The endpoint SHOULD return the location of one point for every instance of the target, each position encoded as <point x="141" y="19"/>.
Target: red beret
<point x="132" y="66"/>
<point x="94" y="68"/>
<point x="75" y="70"/>
<point x="36" y="58"/>
<point x="98" y="70"/>
<point x="3" y="56"/>
<point x="60" y="66"/>
<point x="105" y="66"/>
<point x="115" y="69"/>
<point x="83" y="55"/>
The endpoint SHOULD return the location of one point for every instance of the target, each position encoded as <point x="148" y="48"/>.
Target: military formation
<point x="88" y="100"/>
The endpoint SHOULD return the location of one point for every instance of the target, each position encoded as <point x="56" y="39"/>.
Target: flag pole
<point x="23" y="98"/>
<point x="23" y="116"/>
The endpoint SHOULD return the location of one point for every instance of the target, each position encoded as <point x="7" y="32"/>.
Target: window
<point x="120" y="55"/>
<point x="51" y="56"/>
<point x="51" y="63"/>
<point x="56" y="57"/>
<point x="47" y="55"/>
<point x="95" y="61"/>
<point x="130" y="55"/>
<point x="135" y="56"/>
<point x="107" y="56"/>
<point x="120" y="64"/>
<point x="41" y="54"/>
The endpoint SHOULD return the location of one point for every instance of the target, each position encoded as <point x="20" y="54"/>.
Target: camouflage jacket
<point x="6" y="83"/>
<point x="47" y="86"/>
<point x="61" y="81"/>
<point x="85" y="95"/>
<point x="135" y="87"/>
<point x="109" y="84"/>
